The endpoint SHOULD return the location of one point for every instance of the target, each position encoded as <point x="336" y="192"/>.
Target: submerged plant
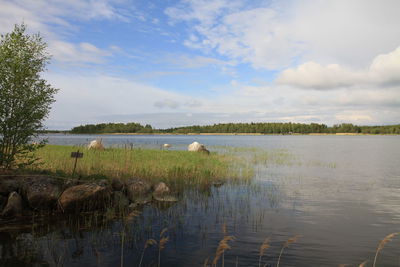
<point x="222" y="247"/>
<point x="382" y="244"/>
<point x="161" y="244"/>
<point x="149" y="242"/>
<point x="264" y="246"/>
<point x="286" y="245"/>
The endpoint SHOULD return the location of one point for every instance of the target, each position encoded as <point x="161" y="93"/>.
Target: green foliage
<point x="112" y="128"/>
<point x="239" y="128"/>
<point x="25" y="97"/>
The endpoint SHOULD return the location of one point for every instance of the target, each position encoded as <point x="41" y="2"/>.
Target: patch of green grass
<point x="174" y="167"/>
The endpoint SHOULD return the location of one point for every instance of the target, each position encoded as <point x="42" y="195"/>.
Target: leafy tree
<point x="25" y="97"/>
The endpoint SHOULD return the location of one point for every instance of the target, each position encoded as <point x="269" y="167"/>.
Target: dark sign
<point x="76" y="155"/>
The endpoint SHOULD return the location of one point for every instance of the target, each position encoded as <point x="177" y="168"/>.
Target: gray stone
<point x="102" y="182"/>
<point x="84" y="197"/>
<point x="138" y="190"/>
<point x="117" y="184"/>
<point x="14" y="206"/>
<point x="161" y="188"/>
<point x="42" y="192"/>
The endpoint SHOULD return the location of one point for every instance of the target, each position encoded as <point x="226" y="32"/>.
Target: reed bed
<point x="174" y="167"/>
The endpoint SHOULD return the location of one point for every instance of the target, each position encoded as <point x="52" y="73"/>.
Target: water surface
<point x="340" y="193"/>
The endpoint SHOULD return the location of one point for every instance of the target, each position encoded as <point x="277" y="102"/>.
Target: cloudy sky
<point x="184" y="62"/>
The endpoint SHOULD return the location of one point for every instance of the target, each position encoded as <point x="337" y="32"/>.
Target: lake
<point x="340" y="195"/>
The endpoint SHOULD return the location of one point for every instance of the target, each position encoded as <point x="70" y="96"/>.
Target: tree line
<point x="260" y="128"/>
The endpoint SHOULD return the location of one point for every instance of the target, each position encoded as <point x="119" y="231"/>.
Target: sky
<point x="173" y="63"/>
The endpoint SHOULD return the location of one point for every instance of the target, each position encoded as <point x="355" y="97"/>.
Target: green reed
<point x="175" y="167"/>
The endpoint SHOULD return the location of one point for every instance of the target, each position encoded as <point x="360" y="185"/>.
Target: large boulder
<point x="14" y="206"/>
<point x="197" y="147"/>
<point x="96" y="144"/>
<point x="42" y="192"/>
<point x="138" y="190"/>
<point x="84" y="197"/>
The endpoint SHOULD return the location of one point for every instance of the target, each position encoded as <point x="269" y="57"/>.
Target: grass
<point x="173" y="167"/>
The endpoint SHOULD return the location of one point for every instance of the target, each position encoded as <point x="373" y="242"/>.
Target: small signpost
<point x="77" y="155"/>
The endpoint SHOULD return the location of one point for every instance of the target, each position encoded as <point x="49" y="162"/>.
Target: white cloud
<point x="51" y="19"/>
<point x="384" y="70"/>
<point x="77" y="53"/>
<point x="274" y="35"/>
<point x="167" y="103"/>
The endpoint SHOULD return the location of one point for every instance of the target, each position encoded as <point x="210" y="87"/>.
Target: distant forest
<point x="260" y="128"/>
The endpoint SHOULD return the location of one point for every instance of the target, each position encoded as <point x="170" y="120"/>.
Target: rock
<point x="84" y="197"/>
<point x="102" y="182"/>
<point x="70" y="182"/>
<point x="42" y="192"/>
<point x="96" y="144"/>
<point x="166" y="145"/>
<point x="161" y="188"/>
<point x="8" y="185"/>
<point x="138" y="190"/>
<point x="163" y="193"/>
<point x="197" y="147"/>
<point x="117" y="184"/>
<point x="14" y="206"/>
<point x="165" y="197"/>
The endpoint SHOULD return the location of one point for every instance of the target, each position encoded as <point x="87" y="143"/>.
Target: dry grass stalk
<point x="286" y="245"/>
<point x="343" y="265"/>
<point x="163" y="231"/>
<point x="263" y="248"/>
<point x="131" y="215"/>
<point x="224" y="229"/>
<point x="223" y="245"/>
<point x="149" y="242"/>
<point x="382" y="244"/>
<point x="205" y="264"/>
<point x="363" y="264"/>
<point x="161" y="244"/>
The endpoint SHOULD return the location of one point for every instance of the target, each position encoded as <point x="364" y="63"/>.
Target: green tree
<point x="25" y="98"/>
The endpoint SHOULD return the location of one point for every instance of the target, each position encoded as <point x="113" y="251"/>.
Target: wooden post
<point x="76" y="155"/>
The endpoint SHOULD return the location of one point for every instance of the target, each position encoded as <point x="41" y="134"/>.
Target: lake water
<point x="340" y="193"/>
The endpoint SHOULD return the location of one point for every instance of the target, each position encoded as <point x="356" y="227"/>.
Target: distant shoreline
<point x="228" y="134"/>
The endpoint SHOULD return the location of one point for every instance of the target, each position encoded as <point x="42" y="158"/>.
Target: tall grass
<point x="176" y="167"/>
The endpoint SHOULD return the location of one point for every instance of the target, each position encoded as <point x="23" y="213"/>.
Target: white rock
<point x="96" y="144"/>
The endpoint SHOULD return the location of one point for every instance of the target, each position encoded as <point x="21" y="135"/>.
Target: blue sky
<point x="184" y="62"/>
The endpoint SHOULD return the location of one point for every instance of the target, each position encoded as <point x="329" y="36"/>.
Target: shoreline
<point x="229" y="134"/>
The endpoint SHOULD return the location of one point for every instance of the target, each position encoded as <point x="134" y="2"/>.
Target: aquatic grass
<point x="286" y="245"/>
<point x="222" y="247"/>
<point x="264" y="246"/>
<point x="149" y="242"/>
<point x="174" y="167"/>
<point x="161" y="244"/>
<point x="382" y="244"/>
